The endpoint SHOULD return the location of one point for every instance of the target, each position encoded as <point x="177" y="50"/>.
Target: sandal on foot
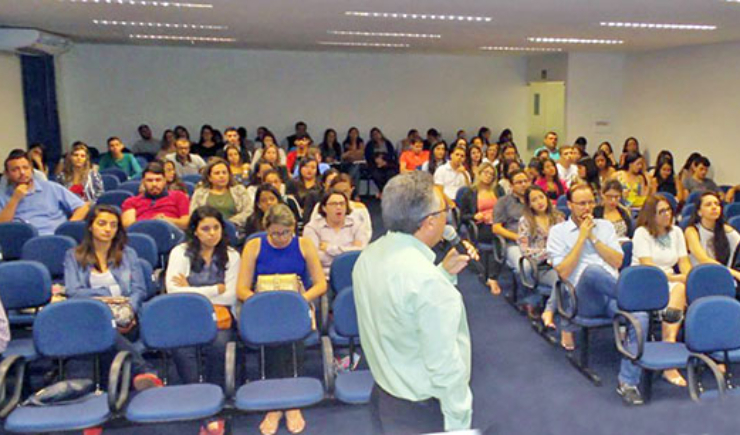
<point x="213" y="427"/>
<point x="675" y="379"/>
<point x="567" y="344"/>
<point x="271" y="423"/>
<point x="294" y="421"/>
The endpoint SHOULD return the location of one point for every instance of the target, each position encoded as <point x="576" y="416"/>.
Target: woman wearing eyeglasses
<point x="657" y="242"/>
<point x="280" y="252"/>
<point x="612" y="210"/>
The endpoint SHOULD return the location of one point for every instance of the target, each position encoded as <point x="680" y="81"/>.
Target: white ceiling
<point x="300" y="24"/>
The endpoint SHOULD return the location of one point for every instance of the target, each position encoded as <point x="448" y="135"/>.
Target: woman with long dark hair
<point x="437" y="157"/>
<point x="709" y="238"/>
<point x="207" y="145"/>
<point x="664" y="178"/>
<point x="631" y="146"/>
<point x="633" y="179"/>
<point x="604" y="166"/>
<point x="381" y="158"/>
<point x="549" y="180"/>
<point x="331" y="150"/>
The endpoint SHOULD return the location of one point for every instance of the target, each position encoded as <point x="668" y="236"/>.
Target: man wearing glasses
<point x="586" y="252"/>
<point x="412" y="319"/>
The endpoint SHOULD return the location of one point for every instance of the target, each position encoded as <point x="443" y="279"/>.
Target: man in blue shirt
<point x="550" y="144"/>
<point x="43" y="204"/>
<point x="586" y="252"/>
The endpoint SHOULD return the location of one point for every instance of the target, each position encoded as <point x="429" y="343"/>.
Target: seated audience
<point x="604" y="166"/>
<point x="205" y="264"/>
<point x="381" y="158"/>
<point x="478" y="202"/>
<point x="353" y="154"/>
<point x="314" y="153"/>
<point x="437" y="158"/>
<point x="40" y="203"/>
<point x="185" y="162"/>
<point x="273" y="178"/>
<point x="103" y="267"/>
<point x="301" y="130"/>
<point x="511" y="153"/>
<point x="302" y="143"/>
<point x="238" y="168"/>
<point x="549" y="180"/>
<point x="168" y="144"/>
<point x="232" y="137"/>
<point x="631" y="145"/>
<point x="37" y="154"/>
<point x="157" y="202"/>
<point x="549" y="144"/>
<point x="657" y="242"/>
<point x="307" y="188"/>
<point x="220" y="190"/>
<point x="79" y="175"/>
<point x="664" y="178"/>
<point x="588" y="173"/>
<point x="336" y="231"/>
<point x="452" y="175"/>
<point x="538" y="216"/>
<point x="280" y="251"/>
<point x="207" y="145"/>
<point x="268" y="142"/>
<point x="171" y="178"/>
<point x="612" y="210"/>
<point x="492" y="153"/>
<point x="473" y="159"/>
<point x="271" y="153"/>
<point x="265" y="197"/>
<point x="586" y="252"/>
<point x="116" y="158"/>
<point x="506" y="216"/>
<point x="634" y="182"/>
<point x="506" y="168"/>
<point x="331" y="150"/>
<point x="699" y="182"/>
<point x="687" y="171"/>
<point x="146" y="143"/>
<point x="606" y="148"/>
<point x="414" y="157"/>
<point x="567" y="169"/>
<point x="709" y="239"/>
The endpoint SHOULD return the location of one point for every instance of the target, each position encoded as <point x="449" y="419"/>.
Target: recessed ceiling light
<point x="657" y="26"/>
<point x="520" y="49"/>
<point x="180" y="38"/>
<point x="155" y="24"/>
<point x="407" y="16"/>
<point x="154" y="3"/>
<point x="363" y="44"/>
<point x="575" y="41"/>
<point x="384" y="34"/>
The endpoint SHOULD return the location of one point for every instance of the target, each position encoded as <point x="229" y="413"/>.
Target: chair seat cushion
<point x="339" y="340"/>
<point x="18" y="318"/>
<point x="592" y="322"/>
<point x="733" y="355"/>
<point x="176" y="403"/>
<point x="660" y="355"/>
<point x="23" y="347"/>
<point x="354" y="387"/>
<point x="91" y="412"/>
<point x="286" y="393"/>
<point x="313" y="339"/>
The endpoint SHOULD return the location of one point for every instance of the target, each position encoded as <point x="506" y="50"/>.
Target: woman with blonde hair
<point x="79" y="175"/>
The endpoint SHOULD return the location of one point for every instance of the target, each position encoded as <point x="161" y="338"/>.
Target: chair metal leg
<point x="580" y="361"/>
<point x="647" y="385"/>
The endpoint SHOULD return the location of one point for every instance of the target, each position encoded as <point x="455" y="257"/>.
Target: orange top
<point x="413" y="160"/>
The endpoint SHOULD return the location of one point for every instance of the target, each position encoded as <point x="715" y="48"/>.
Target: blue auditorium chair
<point x="191" y="178"/>
<point x="711" y="330"/>
<point x="116" y="172"/>
<point x="352" y="386"/>
<point x="693" y="198"/>
<point x="537" y="292"/>
<point x="627" y="251"/>
<point x="257" y="327"/>
<point x="735" y="223"/>
<point x="169" y="322"/>
<point x="88" y="330"/>
<point x="145" y="247"/>
<point x="231" y="233"/>
<point x="190" y="187"/>
<point x="131" y="186"/>
<point x="687" y="211"/>
<point x="110" y="182"/>
<point x="49" y="251"/>
<point x="671" y="200"/>
<point x="114" y="197"/>
<point x="644" y="289"/>
<point x="12" y="237"/>
<point x="340" y="272"/>
<point x="73" y="229"/>
<point x="709" y="280"/>
<point x="151" y="286"/>
<point x="732" y="210"/>
<point x="165" y="235"/>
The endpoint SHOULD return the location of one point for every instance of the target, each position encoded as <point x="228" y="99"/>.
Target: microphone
<point x="450" y="235"/>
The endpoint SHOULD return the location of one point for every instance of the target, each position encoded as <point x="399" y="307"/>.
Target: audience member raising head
<point x="710" y="240"/>
<point x="452" y="175"/>
<point x="549" y="180"/>
<point x="79" y="176"/>
<point x="156" y="202"/>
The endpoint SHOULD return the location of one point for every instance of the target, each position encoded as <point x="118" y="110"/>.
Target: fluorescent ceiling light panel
<point x="575" y="41"/>
<point x="180" y="38"/>
<point x="407" y="16"/>
<point x="153" y="24"/>
<point x="384" y="34"/>
<point x="154" y="3"/>
<point x="520" y="49"/>
<point x="363" y="44"/>
<point x="657" y="26"/>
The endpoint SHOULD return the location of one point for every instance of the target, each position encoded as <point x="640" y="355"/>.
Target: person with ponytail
<point x="709" y="238"/>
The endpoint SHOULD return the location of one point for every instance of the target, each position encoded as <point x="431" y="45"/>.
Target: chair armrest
<point x="327" y="354"/>
<point x="230" y="372"/>
<point x="572" y="310"/>
<point x="693" y="377"/>
<point x="472" y="230"/>
<point x="15" y="365"/>
<point x="529" y="272"/>
<point x="323" y="317"/>
<point x="621" y="344"/>
<point x="499" y="249"/>
<point x="119" y="381"/>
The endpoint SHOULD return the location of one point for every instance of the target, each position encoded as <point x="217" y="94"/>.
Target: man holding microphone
<point x="412" y="320"/>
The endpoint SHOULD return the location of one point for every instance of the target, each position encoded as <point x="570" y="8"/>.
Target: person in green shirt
<point x="412" y="320"/>
<point x="116" y="158"/>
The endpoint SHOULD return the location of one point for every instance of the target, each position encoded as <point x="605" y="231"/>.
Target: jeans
<point x="597" y="296"/>
<point x="214" y="360"/>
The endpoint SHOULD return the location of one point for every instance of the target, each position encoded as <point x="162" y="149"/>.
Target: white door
<point x="546" y="113"/>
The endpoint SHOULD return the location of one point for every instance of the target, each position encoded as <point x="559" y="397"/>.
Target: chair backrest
<point x="671" y="200"/>
<point x="131" y="186"/>
<point x="74" y="327"/>
<point x="562" y="201"/>
<point x="627" y="251"/>
<point x="340" y="273"/>
<point x="73" y="229"/>
<point x="713" y="324"/>
<point x="117" y="172"/>
<point x="191" y="178"/>
<point x="230" y="230"/>
<point x="148" y="272"/>
<point x="564" y="210"/>
<point x="275" y="317"/>
<point x="256" y="235"/>
<point x="177" y="320"/>
<point x="688" y="209"/>
<point x="50" y="251"/>
<point x="165" y="235"/>
<point x="145" y="247"/>
<point x="345" y="314"/>
<point x="190" y="186"/>
<point x="709" y="280"/>
<point x="735" y="222"/>
<point x="114" y="197"/>
<point x="110" y="182"/>
<point x="732" y="210"/>
<point x="694" y="197"/>
<point x="642" y="288"/>
<point x="461" y="192"/>
<point x="12" y="237"/>
<point x="142" y="161"/>
<point x="24" y="284"/>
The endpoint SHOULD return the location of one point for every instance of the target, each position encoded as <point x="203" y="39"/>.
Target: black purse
<point x="62" y="393"/>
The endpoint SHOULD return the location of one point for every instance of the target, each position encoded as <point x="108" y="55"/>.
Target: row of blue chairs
<point x="116" y="176"/>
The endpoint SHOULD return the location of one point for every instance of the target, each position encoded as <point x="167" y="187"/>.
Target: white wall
<point x="12" y="115"/>
<point x="108" y="90"/>
<point x="593" y="101"/>
<point x="687" y="99"/>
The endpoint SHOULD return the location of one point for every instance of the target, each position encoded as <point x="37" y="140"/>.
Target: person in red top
<point x="415" y="156"/>
<point x="302" y="143"/>
<point x="157" y="202"/>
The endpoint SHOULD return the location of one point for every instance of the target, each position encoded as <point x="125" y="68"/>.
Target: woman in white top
<point x="657" y="242"/>
<point x="709" y="238"/>
<point x="205" y="264"/>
